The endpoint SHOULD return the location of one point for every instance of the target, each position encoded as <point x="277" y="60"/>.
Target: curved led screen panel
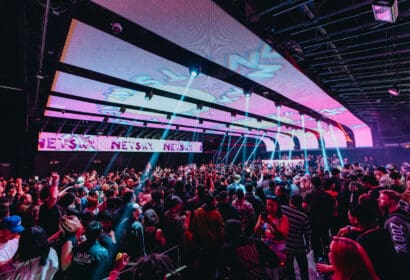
<point x="205" y="29"/>
<point x="285" y="142"/>
<point x="333" y="138"/>
<point x="142" y="67"/>
<point x="136" y="65"/>
<point x="77" y="86"/>
<point x="307" y="140"/>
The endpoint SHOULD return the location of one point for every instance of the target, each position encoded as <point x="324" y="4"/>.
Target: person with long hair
<point x="350" y="260"/>
<point x="273" y="226"/>
<point x="153" y="235"/>
<point x="34" y="259"/>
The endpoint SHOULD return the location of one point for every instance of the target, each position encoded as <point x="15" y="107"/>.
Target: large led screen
<point x="205" y="29"/>
<point x="92" y="143"/>
<point x="139" y="66"/>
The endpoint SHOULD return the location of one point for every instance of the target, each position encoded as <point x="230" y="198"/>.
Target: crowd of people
<point x="213" y="221"/>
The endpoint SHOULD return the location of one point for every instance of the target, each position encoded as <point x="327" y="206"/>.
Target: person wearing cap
<point x="34" y="258"/>
<point x="10" y="229"/>
<point x="236" y="184"/>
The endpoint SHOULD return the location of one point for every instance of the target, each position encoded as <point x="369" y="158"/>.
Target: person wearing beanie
<point x="34" y="259"/>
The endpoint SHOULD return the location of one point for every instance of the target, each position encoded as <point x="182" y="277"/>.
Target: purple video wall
<point x="226" y="42"/>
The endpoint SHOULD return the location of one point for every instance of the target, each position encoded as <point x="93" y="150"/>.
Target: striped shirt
<point x="299" y="230"/>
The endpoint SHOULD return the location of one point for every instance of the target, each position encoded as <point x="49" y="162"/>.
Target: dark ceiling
<point x="338" y="44"/>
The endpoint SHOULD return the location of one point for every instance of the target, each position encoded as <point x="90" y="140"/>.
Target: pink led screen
<point x="202" y="88"/>
<point x="91" y="143"/>
<point x="236" y="48"/>
<point x="205" y="29"/>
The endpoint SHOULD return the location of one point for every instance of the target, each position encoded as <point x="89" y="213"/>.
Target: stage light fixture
<point x="144" y="123"/>
<point x="247" y="91"/>
<point x="40" y="76"/>
<point x="149" y="94"/>
<point x="385" y="10"/>
<point x="233" y="114"/>
<point x="199" y="106"/>
<point x="394" y="91"/>
<point x="194" y="70"/>
<point x="168" y="117"/>
<point x="227" y="125"/>
<point x="259" y="120"/>
<point x="201" y="121"/>
<point x="105" y="119"/>
<point x="122" y="109"/>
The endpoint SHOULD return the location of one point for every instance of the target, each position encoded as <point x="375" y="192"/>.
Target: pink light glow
<point x="200" y="87"/>
<point x="92" y="49"/>
<point x="393" y="91"/>
<point x="231" y="45"/>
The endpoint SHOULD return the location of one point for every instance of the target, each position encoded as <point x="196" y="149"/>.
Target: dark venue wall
<point x="12" y="90"/>
<point x="12" y="123"/>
